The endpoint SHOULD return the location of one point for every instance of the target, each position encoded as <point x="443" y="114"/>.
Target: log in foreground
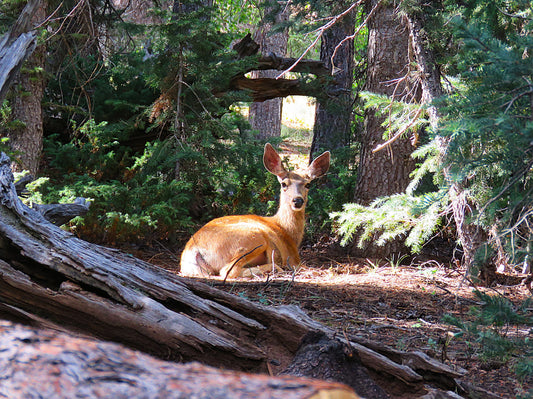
<point x="49" y="277"/>
<point x="50" y="364"/>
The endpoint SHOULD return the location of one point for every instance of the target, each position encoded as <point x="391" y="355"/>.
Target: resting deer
<point x="233" y="246"/>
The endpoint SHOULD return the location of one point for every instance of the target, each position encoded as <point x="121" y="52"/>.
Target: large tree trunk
<point x="27" y="140"/>
<point x="470" y="236"/>
<point x="385" y="172"/>
<point x="50" y="278"/>
<point x="333" y="114"/>
<point x="265" y="116"/>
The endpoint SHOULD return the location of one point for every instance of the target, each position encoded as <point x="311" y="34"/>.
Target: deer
<point x="246" y="245"/>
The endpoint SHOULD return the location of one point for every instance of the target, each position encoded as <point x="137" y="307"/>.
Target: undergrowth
<point x="492" y="333"/>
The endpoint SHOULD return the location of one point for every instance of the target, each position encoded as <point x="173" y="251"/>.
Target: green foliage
<point x="8" y="124"/>
<point x="399" y="118"/>
<point x="488" y="123"/>
<point x="490" y="333"/>
<point x="142" y="197"/>
<point x="234" y="15"/>
<point x="414" y="217"/>
<point x="129" y="198"/>
<point x="149" y="143"/>
<point x="415" y="214"/>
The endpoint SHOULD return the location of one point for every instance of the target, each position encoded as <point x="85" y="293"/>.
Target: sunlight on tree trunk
<point x="387" y="171"/>
<point x="470" y="236"/>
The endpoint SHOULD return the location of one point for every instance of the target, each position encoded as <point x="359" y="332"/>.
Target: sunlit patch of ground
<point x="400" y="306"/>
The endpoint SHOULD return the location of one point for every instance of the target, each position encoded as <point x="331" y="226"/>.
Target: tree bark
<point x="50" y="278"/>
<point x="385" y="172"/>
<point x="265" y="116"/>
<point x="333" y="114"/>
<point x="471" y="237"/>
<point x="26" y="105"/>
<point x="15" y="46"/>
<point x="262" y="89"/>
<point x="64" y="366"/>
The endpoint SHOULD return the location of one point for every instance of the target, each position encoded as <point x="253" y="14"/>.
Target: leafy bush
<point x="143" y="197"/>
<point x="486" y="122"/>
<point x="488" y="125"/>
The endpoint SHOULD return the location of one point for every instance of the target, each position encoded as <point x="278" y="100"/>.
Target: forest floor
<point x="401" y="306"/>
<point x="398" y="305"/>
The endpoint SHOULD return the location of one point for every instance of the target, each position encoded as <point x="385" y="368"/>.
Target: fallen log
<point x="49" y="277"/>
<point x="57" y="214"/>
<point x="262" y="89"/>
<point x="50" y="364"/>
<point x="247" y="47"/>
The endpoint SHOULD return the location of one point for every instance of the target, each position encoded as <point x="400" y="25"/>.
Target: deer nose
<point x="298" y="202"/>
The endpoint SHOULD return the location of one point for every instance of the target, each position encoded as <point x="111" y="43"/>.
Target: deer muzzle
<point x="298" y="202"/>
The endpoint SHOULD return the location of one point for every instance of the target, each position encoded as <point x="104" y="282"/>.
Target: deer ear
<point x="272" y="161"/>
<point x="319" y="166"/>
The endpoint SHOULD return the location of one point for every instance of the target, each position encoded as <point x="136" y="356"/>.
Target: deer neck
<point x="292" y="222"/>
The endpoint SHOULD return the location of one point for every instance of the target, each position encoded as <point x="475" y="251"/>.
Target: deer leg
<point x="260" y="270"/>
<point x="243" y="257"/>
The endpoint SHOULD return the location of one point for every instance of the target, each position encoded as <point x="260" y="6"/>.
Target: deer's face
<point x="294" y="185"/>
<point x="294" y="189"/>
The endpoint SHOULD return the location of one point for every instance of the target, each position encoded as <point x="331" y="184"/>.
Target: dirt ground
<point x="398" y="305"/>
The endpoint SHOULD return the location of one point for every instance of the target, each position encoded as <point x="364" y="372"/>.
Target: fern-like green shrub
<point x="133" y="197"/>
<point x="163" y="193"/>
<point x="414" y="217"/>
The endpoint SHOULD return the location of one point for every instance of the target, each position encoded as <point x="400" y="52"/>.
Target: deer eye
<point x="308" y="185"/>
<point x="284" y="185"/>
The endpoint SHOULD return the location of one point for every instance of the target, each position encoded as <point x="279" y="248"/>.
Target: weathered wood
<point x="57" y="214"/>
<point x="262" y="89"/>
<point x="50" y="364"/>
<point x="247" y="47"/>
<point x="49" y="277"/>
<point x="60" y="214"/>
<point x="15" y="46"/>
<point x="326" y="358"/>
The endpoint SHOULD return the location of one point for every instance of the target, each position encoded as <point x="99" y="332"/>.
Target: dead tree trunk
<point x="48" y="277"/>
<point x="15" y="46"/>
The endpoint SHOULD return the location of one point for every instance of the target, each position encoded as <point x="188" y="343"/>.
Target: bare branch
<point x="352" y="36"/>
<point x="401" y="132"/>
<point x="320" y="31"/>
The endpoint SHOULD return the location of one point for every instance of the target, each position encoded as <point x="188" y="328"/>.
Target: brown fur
<point x="227" y="245"/>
